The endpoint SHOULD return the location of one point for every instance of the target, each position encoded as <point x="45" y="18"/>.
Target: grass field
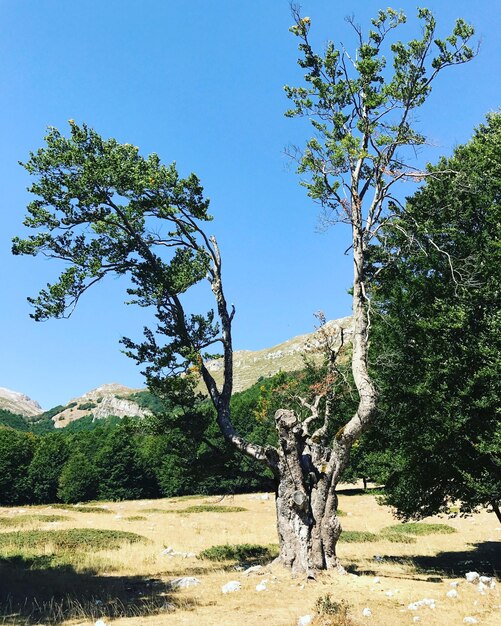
<point x="116" y="562"/>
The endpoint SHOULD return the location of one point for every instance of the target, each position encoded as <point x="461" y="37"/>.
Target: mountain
<point x="288" y="356"/>
<point x="106" y="400"/>
<point x="249" y="366"/>
<point x="18" y="403"/>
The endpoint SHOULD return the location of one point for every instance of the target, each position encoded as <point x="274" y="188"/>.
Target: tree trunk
<point x="307" y="523"/>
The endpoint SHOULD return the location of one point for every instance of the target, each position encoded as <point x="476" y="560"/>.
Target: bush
<point x="239" y="552"/>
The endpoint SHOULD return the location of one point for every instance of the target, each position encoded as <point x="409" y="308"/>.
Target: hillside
<point x="249" y="366"/>
<point x="18" y="403"/>
<point x="288" y="356"/>
<point x="104" y="401"/>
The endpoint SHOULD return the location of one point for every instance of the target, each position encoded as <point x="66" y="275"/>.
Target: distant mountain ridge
<point x="117" y="400"/>
<point x="18" y="403"/>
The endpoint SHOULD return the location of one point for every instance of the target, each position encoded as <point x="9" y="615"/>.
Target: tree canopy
<point x="437" y="340"/>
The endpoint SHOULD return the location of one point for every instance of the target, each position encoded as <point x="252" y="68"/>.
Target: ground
<point x="93" y="580"/>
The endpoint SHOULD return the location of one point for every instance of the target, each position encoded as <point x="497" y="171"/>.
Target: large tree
<point x="439" y="321"/>
<point x="104" y="209"/>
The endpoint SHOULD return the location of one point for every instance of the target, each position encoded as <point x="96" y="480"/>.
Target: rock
<point x="376" y="580"/>
<point x="100" y="623"/>
<point x="182" y="583"/>
<point x="470" y="620"/>
<point x="305" y="620"/>
<point x="265" y="496"/>
<point x="167" y="551"/>
<point x="452" y="593"/>
<point x="472" y="577"/>
<point x="389" y="594"/>
<point x="366" y="612"/>
<point x="481" y="587"/>
<point x="262" y="586"/>
<point x="485" y="579"/>
<point x="416" y="618"/>
<point x="253" y="569"/>
<point x="232" y="586"/>
<point x="454" y="584"/>
<point x="429" y="602"/>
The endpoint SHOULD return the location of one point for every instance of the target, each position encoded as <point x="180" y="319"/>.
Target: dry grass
<point x="129" y="585"/>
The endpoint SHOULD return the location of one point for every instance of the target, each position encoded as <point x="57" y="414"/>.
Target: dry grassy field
<point x="51" y="573"/>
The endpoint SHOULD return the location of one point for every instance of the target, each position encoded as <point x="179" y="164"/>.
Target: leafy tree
<point x="120" y="467"/>
<point x="16" y="453"/>
<point x="104" y="209"/>
<point x="45" y="468"/>
<point x="441" y="325"/>
<point x="78" y="480"/>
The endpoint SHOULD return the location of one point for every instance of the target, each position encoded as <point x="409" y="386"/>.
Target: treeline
<point x="176" y="453"/>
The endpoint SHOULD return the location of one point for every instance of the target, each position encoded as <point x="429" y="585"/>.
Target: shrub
<point x="73" y="539"/>
<point x="415" y="528"/>
<point x="239" y="552"/>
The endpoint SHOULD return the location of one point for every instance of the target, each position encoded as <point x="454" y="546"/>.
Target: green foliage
<point x="239" y="552"/>
<point x="16" y="454"/>
<point x="86" y="406"/>
<point x="87" y="422"/>
<point x="100" y="206"/>
<point x="78" y="480"/>
<point x="123" y="472"/>
<point x="358" y="536"/>
<point x="26" y="520"/>
<point x="213" y="508"/>
<point x="324" y="605"/>
<point x="73" y="539"/>
<point x="440" y="323"/>
<point x="413" y="528"/>
<point x="360" y="103"/>
<point x="12" y="420"/>
<point x="81" y="508"/>
<point x="51" y="454"/>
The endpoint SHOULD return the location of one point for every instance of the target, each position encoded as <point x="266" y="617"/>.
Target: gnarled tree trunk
<point x="306" y="501"/>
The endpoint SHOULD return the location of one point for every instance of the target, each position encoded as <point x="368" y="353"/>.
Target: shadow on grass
<point x="36" y="591"/>
<point x="357" y="491"/>
<point x="485" y="558"/>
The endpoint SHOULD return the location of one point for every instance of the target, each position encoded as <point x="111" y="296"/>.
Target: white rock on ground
<point x="182" y="583"/>
<point x="470" y="620"/>
<point x="100" y="623"/>
<point x="252" y="569"/>
<point x="366" y="612"/>
<point x="262" y="586"/>
<point x="232" y="586"/>
<point x="454" y="584"/>
<point x="452" y="593"/>
<point x="472" y="577"/>
<point x="414" y="606"/>
<point x="481" y="587"/>
<point x="305" y="620"/>
<point x="485" y="579"/>
<point x="376" y="580"/>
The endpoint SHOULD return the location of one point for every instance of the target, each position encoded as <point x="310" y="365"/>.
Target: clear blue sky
<point x="199" y="82"/>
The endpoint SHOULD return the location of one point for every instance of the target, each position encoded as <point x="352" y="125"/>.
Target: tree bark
<point x="306" y="502"/>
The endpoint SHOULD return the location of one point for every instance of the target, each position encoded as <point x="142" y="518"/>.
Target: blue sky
<point x="199" y="82"/>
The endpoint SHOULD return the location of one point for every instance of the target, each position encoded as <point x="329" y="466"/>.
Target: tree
<point x="120" y="468"/>
<point x="16" y="453"/>
<point x="45" y="468"/>
<point x="104" y="209"/>
<point x="78" y="480"/>
<point x="440" y="323"/>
